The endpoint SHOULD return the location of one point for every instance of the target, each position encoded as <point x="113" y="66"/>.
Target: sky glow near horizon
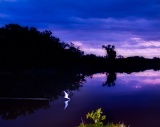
<point x="133" y="26"/>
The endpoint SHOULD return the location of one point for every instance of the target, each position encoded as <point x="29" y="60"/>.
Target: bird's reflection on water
<point x="66" y="104"/>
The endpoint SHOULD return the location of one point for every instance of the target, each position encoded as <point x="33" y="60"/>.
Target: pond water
<point x="133" y="99"/>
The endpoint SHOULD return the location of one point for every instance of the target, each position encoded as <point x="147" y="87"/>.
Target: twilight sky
<point x="133" y="26"/>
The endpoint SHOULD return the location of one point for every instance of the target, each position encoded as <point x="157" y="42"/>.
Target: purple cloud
<point x="91" y="23"/>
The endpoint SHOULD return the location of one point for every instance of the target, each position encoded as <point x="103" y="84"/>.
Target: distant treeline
<point x="27" y="48"/>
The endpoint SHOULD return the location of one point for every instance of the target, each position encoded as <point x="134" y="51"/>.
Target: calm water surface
<point x="134" y="99"/>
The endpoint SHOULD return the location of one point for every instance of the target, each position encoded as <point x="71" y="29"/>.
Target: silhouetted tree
<point x="110" y="51"/>
<point x="120" y="56"/>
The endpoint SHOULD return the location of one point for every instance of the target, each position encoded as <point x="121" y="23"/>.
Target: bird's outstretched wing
<point x="65" y="94"/>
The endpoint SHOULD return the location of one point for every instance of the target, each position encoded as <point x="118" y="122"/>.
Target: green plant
<point x="97" y="117"/>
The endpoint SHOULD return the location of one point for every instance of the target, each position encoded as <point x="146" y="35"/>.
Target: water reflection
<point x="22" y="94"/>
<point x="135" y="98"/>
<point x="111" y="79"/>
<point x="140" y="80"/>
<point x="11" y="109"/>
<point x="39" y="85"/>
<point x="66" y="104"/>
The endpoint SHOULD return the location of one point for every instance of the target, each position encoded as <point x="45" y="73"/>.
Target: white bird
<point x="66" y="101"/>
<point x="66" y="95"/>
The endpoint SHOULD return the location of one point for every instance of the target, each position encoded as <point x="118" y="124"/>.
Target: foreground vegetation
<point x="97" y="119"/>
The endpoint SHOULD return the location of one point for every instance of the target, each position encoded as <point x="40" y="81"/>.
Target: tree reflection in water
<point x="39" y="85"/>
<point x="111" y="79"/>
<point x="33" y="86"/>
<point x="11" y="109"/>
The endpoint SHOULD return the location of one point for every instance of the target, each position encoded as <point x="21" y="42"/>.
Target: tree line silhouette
<point x="24" y="47"/>
<point x="27" y="48"/>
